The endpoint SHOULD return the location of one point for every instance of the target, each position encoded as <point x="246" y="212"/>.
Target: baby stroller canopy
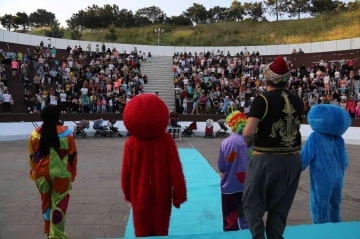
<point x="209" y="123"/>
<point x="98" y="123"/>
<point x="84" y="124"/>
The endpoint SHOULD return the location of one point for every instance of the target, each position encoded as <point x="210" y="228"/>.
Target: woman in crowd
<point x="7" y="101"/>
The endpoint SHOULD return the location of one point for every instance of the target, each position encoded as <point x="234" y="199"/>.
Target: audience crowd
<point x="104" y="80"/>
<point x="220" y="83"/>
<point x="85" y="81"/>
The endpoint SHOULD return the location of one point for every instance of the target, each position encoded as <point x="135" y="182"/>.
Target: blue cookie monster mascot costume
<point x="325" y="153"/>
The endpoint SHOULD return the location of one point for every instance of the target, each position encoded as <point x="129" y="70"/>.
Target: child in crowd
<point x="233" y="161"/>
<point x="103" y="105"/>
<point x="185" y="102"/>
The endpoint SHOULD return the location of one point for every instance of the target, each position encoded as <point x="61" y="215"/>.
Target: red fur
<point x="152" y="178"/>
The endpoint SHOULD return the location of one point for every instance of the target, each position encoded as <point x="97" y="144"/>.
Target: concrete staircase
<point x="160" y="79"/>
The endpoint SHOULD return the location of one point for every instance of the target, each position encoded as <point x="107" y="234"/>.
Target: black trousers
<point x="6" y="107"/>
<point x="270" y="185"/>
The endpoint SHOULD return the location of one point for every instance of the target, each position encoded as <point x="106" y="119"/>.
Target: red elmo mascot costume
<point x="152" y="178"/>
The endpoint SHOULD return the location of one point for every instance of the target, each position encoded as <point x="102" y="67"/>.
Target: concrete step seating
<point x="160" y="75"/>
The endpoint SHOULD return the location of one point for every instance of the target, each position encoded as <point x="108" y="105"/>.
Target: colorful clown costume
<point x="232" y="163"/>
<point x="53" y="175"/>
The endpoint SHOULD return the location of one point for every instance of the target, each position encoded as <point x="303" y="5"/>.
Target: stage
<point x="344" y="230"/>
<point x="97" y="208"/>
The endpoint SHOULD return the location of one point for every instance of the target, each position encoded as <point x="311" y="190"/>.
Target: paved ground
<point x="97" y="208"/>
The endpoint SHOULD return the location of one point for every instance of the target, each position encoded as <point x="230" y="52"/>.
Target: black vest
<point x="279" y="129"/>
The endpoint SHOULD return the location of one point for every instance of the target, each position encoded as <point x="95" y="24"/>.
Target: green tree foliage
<point x="197" y="13"/>
<point x="108" y="16"/>
<point x="75" y="34"/>
<point x="217" y="14"/>
<point x="236" y="12"/>
<point x="7" y="21"/>
<point x="21" y="19"/>
<point x="55" y="30"/>
<point x="178" y="21"/>
<point x="351" y="6"/>
<point x="41" y="18"/>
<point x="255" y="11"/>
<point x="276" y="8"/>
<point x="298" y="7"/>
<point x="153" y="13"/>
<point x="318" y="7"/>
<point x="95" y="17"/>
<point x="111" y="33"/>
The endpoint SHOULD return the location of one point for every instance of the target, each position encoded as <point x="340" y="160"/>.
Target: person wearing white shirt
<point x="7" y="99"/>
<point x="111" y="104"/>
<point x="53" y="99"/>
<point x="63" y="101"/>
<point x="337" y="75"/>
<point x="327" y="84"/>
<point x="186" y="81"/>
<point x="84" y="90"/>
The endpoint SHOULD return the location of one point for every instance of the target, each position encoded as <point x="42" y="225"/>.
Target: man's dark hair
<point x="157" y="92"/>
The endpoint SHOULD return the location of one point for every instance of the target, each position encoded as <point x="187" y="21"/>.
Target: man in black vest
<point x="273" y="175"/>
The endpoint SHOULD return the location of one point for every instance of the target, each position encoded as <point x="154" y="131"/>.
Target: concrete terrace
<point x="97" y="208"/>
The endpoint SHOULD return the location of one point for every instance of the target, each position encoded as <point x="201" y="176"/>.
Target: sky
<point x="65" y="8"/>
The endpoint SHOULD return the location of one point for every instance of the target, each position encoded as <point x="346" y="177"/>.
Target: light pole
<point x="159" y="31"/>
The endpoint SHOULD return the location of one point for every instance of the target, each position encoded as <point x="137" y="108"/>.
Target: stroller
<point x="189" y="130"/>
<point x="209" y="129"/>
<point x="79" y="128"/>
<point x="113" y="129"/>
<point x="100" y="130"/>
<point x="222" y="132"/>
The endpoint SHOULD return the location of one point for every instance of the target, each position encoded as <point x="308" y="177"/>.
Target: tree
<point x="55" y="30"/>
<point x="78" y="20"/>
<point x="125" y="19"/>
<point x="276" y="7"/>
<point x="322" y="6"/>
<point x="217" y="14"/>
<point x="75" y="34"/>
<point x="153" y="13"/>
<point x="298" y="7"/>
<point x="21" y="19"/>
<point x="41" y="18"/>
<point x="7" y="21"/>
<point x="255" y="11"/>
<point x="111" y="33"/>
<point x="197" y="13"/>
<point x="341" y="6"/>
<point x="95" y="17"/>
<point x="353" y="5"/>
<point x="141" y="21"/>
<point x="179" y="21"/>
<point x="236" y="11"/>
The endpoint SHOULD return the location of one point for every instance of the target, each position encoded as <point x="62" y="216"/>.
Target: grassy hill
<point x="322" y="28"/>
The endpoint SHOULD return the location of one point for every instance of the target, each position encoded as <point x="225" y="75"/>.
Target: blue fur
<point x="325" y="153"/>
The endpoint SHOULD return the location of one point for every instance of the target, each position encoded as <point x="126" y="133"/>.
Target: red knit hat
<point x="278" y="71"/>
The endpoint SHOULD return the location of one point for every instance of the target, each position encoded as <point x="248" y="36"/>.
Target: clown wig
<point x="236" y="121"/>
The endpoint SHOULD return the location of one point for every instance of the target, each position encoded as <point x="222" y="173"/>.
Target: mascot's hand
<point x="177" y="203"/>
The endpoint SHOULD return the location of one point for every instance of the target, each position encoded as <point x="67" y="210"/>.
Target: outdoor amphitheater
<point x="97" y="208"/>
